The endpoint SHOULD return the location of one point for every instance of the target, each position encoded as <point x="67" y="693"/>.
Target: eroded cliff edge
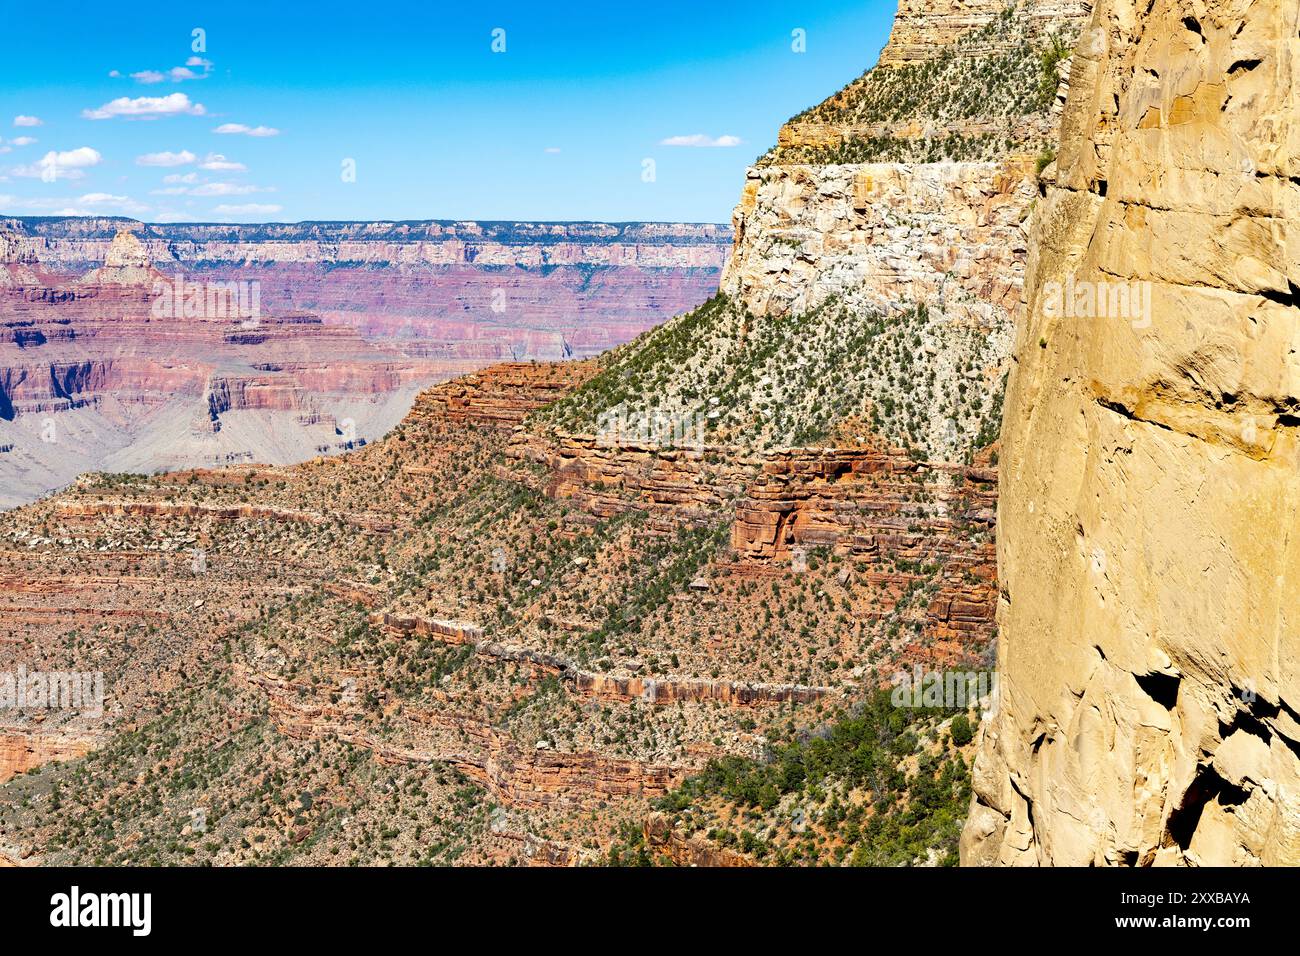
<point x="1148" y="651"/>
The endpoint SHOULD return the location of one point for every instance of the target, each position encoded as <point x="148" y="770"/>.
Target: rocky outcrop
<point x="85" y="510"/>
<point x="1150" y="691"/>
<point x="905" y="232"/>
<point x="683" y="849"/>
<point x="607" y="478"/>
<point x="503" y="395"/>
<point x="819" y="217"/>
<point x="924" y="29"/>
<point x="517" y="777"/>
<point x="126" y="262"/>
<point x="21" y="751"/>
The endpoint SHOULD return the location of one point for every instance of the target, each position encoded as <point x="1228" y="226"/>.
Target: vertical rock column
<point x="1149" y="546"/>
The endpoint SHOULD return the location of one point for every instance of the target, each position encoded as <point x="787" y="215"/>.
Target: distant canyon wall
<point x="75" y="244"/>
<point x="103" y="368"/>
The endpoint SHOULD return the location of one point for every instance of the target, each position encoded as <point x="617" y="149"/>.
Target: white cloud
<point x="114" y="73"/>
<point x="247" y="130"/>
<point x="23" y="140"/>
<point x="218" y="163"/>
<point x="167" y="158"/>
<point x="177" y="74"/>
<point x="88" y="205"/>
<point x="146" y="107"/>
<point x="169" y="191"/>
<point x="247" y="209"/>
<point x="552" y="149"/>
<point x="699" y="139"/>
<point x="179" y="178"/>
<point x="226" y="189"/>
<point x="65" y="165"/>
<point x="102" y="197"/>
<point x="28" y="121"/>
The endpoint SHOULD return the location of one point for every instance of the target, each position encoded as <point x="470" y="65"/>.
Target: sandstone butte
<point x="1150" y="694"/>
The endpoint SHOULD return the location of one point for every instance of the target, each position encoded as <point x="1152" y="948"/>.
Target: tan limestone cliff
<point x="1149" y="565"/>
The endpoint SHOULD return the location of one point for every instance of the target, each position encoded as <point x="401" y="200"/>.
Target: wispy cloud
<point x="240" y="128"/>
<point x="23" y="140"/>
<point x="246" y="209"/>
<point x="177" y="74"/>
<point x="217" y="163"/>
<point x="227" y="189"/>
<point x="28" y="121"/>
<point x="146" y="107"/>
<point x="124" y="203"/>
<point x="167" y="158"/>
<point x="699" y="139"/>
<point x="87" y="205"/>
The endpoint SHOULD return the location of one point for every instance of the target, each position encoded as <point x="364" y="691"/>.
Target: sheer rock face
<point x="1150" y="656"/>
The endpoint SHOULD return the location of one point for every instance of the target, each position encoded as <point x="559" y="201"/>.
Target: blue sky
<point x="109" y="109"/>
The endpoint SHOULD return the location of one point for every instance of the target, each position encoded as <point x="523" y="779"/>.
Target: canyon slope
<point x="339" y="326"/>
<point x="640" y="608"/>
<point x="1150" y="696"/>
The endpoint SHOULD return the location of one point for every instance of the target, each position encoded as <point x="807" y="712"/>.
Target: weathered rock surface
<point x="907" y="232"/>
<point x="21" y="751"/>
<point x="1150" y="662"/>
